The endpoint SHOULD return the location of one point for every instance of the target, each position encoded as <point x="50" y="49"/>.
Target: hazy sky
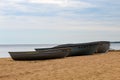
<point x="59" y="21"/>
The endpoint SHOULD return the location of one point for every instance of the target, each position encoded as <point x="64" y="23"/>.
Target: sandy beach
<point x="92" y="67"/>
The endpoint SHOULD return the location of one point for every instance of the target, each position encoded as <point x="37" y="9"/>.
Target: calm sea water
<point x="115" y="46"/>
<point x="4" y="49"/>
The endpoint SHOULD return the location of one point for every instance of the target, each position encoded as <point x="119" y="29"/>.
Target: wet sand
<point x="92" y="67"/>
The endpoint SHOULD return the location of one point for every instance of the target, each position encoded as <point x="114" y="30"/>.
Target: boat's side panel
<point x="54" y="53"/>
<point x="23" y="55"/>
<point x="83" y="50"/>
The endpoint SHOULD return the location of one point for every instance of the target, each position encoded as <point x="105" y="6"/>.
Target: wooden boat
<point x="43" y="54"/>
<point x="103" y="46"/>
<point x="78" y="49"/>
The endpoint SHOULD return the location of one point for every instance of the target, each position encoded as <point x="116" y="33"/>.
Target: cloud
<point x="64" y="3"/>
<point x="58" y="3"/>
<point x="49" y="1"/>
<point x="54" y="23"/>
<point x="41" y="7"/>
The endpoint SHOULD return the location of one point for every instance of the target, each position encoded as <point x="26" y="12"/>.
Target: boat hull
<point x="85" y="50"/>
<point x="33" y="55"/>
<point x="80" y="49"/>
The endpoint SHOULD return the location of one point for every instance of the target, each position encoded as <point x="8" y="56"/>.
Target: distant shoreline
<point x="115" y="42"/>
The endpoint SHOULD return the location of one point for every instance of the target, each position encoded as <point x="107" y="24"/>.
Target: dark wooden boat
<point x="100" y="46"/>
<point x="78" y="49"/>
<point x="43" y="54"/>
<point x="103" y="46"/>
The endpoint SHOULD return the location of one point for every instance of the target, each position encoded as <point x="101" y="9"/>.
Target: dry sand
<point x="92" y="67"/>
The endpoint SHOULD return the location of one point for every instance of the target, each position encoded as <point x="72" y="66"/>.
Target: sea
<point x="4" y="49"/>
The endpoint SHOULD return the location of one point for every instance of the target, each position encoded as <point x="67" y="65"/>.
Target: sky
<point x="59" y="21"/>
